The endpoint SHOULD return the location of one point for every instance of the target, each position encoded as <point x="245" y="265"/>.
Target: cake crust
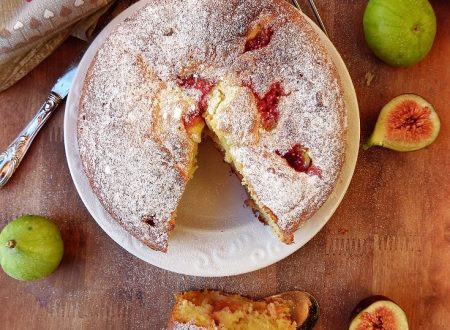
<point x="139" y="155"/>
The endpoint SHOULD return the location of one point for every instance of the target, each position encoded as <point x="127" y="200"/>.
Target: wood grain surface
<point x="390" y="235"/>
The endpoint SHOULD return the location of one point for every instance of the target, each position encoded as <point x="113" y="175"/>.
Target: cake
<point x="210" y="310"/>
<point x="253" y="75"/>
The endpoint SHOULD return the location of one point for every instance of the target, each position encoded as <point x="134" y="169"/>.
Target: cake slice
<point x="211" y="310"/>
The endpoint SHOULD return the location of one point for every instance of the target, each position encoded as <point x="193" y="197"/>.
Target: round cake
<point x="252" y="75"/>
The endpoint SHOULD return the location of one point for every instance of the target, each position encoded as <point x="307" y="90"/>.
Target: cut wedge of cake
<point x="259" y="77"/>
<point x="211" y="310"/>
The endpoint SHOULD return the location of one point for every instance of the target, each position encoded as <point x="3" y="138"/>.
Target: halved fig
<point x="378" y="312"/>
<point x="407" y="123"/>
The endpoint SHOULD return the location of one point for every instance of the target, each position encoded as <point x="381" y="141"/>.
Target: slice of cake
<point x="215" y="310"/>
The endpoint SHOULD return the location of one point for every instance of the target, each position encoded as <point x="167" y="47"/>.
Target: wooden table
<point x="390" y="235"/>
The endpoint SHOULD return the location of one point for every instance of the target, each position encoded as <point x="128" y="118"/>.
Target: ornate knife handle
<point x="11" y="158"/>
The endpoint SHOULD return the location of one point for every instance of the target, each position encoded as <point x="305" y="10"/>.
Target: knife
<point x="313" y="6"/>
<point x="11" y="158"/>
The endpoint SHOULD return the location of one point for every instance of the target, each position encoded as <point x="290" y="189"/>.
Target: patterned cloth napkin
<point x="31" y="29"/>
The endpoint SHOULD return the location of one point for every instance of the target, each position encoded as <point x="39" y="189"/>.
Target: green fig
<point x="407" y="123"/>
<point x="31" y="248"/>
<point x="399" y="32"/>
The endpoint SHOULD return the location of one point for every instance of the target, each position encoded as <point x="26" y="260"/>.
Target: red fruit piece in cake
<point x="258" y="37"/>
<point x="204" y="87"/>
<point x="299" y="159"/>
<point x="268" y="104"/>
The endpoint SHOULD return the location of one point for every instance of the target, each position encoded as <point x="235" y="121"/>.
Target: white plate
<point x="215" y="234"/>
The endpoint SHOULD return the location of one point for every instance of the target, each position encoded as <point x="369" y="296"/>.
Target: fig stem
<point x="366" y="146"/>
<point x="11" y="244"/>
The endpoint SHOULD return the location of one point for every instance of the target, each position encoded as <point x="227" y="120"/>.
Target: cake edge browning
<point x="296" y="16"/>
<point x="170" y="223"/>
<point x="262" y="211"/>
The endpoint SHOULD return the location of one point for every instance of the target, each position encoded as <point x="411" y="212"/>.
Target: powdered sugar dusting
<point x="136" y="151"/>
<point x="185" y="326"/>
<point x="311" y="114"/>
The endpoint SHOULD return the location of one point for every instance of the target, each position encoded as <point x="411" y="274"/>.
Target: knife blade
<point x="11" y="158"/>
<point x="63" y="84"/>
<point x="313" y="6"/>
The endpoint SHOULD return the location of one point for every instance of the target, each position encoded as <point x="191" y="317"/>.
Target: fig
<point x="407" y="123"/>
<point x="378" y="312"/>
<point x="399" y="32"/>
<point x="31" y="248"/>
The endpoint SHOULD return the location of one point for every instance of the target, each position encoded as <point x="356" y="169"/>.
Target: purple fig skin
<point x="363" y="304"/>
